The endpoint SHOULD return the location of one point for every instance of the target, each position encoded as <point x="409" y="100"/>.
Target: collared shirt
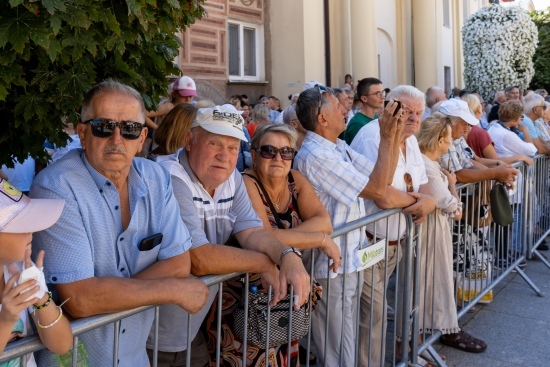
<point x="209" y="220"/>
<point x="367" y="142"/>
<point x="526" y="121"/>
<point x="458" y="157"/>
<point x="338" y="175"/>
<point x="273" y="114"/>
<point x="89" y="241"/>
<point x="507" y="143"/>
<point x="544" y="134"/>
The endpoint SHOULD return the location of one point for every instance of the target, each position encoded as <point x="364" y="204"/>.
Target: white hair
<point x="407" y="91"/>
<point x="531" y="101"/>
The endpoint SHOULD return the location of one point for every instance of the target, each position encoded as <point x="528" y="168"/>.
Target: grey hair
<point x="204" y="103"/>
<point x="407" y="91"/>
<point x="349" y="92"/>
<point x="436" y="107"/>
<point x="109" y="86"/>
<point x="260" y="113"/>
<point x="289" y="114"/>
<point x="532" y="101"/>
<point x="307" y="107"/>
<point x="288" y="131"/>
<point x="430" y="95"/>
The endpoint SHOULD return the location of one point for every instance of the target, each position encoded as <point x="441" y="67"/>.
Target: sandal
<point x="463" y="341"/>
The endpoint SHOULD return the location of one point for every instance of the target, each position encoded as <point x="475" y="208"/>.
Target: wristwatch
<point x="291" y="249"/>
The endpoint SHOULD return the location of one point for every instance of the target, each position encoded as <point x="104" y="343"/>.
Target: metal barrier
<point x="483" y="255"/>
<point x="32" y="343"/>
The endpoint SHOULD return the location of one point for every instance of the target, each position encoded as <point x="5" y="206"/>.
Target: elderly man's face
<point x="412" y="114"/>
<point x="212" y="157"/>
<point x="113" y="154"/>
<point x="335" y="114"/>
<point x="539" y="109"/>
<point x="513" y="94"/>
<point x="460" y="129"/>
<point x="345" y="100"/>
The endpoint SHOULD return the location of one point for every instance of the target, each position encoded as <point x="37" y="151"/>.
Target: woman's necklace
<point x="276" y="203"/>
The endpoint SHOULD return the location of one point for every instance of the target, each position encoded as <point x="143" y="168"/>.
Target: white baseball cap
<point x="221" y="120"/>
<point x="458" y="108"/>
<point x="20" y="214"/>
<point x="185" y="86"/>
<point x="229" y="106"/>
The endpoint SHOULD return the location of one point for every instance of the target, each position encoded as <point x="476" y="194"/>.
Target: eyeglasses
<point x="270" y="152"/>
<point x="408" y="182"/>
<point x="321" y="89"/>
<point x="543" y="107"/>
<point x="104" y="128"/>
<point x="381" y="94"/>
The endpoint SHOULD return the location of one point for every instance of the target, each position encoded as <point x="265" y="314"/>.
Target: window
<point x="446" y="13"/>
<point x="447" y="75"/>
<point x="245" y="51"/>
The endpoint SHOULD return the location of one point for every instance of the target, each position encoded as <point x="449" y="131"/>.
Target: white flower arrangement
<point x="499" y="44"/>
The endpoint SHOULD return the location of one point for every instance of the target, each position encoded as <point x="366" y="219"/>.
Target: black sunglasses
<point x="270" y="152"/>
<point x="104" y="128"/>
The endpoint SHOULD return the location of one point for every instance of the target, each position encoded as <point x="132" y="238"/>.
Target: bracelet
<point x="46" y="304"/>
<point x="54" y="321"/>
<point x="324" y="238"/>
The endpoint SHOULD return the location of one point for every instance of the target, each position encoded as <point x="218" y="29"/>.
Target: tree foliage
<point x="542" y="55"/>
<point x="53" y="51"/>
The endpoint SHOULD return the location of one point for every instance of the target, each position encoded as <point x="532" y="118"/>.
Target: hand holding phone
<point x="397" y="109"/>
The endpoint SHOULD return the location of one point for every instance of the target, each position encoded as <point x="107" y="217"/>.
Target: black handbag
<point x="500" y="205"/>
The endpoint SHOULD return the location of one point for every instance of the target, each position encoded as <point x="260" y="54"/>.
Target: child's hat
<point x="20" y="214"/>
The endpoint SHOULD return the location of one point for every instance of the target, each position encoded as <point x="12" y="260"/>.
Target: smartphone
<point x="398" y="106"/>
<point x="149" y="243"/>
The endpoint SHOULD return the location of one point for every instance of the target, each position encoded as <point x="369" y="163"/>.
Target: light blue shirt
<point x="89" y="241"/>
<point x="338" y="175"/>
<point x="531" y="126"/>
<point x="273" y="114"/>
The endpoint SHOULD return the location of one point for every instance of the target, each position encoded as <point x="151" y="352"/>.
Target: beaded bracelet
<point x="46" y="304"/>
<point x="54" y="321"/>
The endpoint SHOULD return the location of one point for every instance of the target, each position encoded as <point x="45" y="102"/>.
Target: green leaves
<point x="53" y="51"/>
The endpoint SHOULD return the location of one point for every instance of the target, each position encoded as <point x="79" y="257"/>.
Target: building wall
<point x="204" y="53"/>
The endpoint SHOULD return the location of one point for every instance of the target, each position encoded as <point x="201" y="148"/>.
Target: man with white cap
<point x="461" y="159"/>
<point x="119" y="243"/>
<point x="214" y="204"/>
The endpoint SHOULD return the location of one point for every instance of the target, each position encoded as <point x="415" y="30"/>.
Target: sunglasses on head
<point x="104" y="128"/>
<point x="321" y="89"/>
<point x="270" y="152"/>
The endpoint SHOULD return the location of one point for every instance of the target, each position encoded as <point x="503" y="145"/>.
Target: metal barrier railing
<point x="483" y="255"/>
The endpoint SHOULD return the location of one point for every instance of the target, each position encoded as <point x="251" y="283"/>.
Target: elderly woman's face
<point x="274" y="167"/>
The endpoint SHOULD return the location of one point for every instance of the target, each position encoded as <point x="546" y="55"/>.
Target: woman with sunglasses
<point x="284" y="199"/>
<point x="436" y="301"/>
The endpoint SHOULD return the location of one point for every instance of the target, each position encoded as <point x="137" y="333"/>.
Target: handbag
<point x="279" y="321"/>
<point x="500" y="205"/>
<point x="280" y="313"/>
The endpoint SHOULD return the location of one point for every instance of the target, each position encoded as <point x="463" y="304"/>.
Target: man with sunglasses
<point x="214" y="205"/>
<point x="341" y="177"/>
<point x="533" y="109"/>
<point x="410" y="190"/>
<point x="119" y="243"/>
<point x="372" y="94"/>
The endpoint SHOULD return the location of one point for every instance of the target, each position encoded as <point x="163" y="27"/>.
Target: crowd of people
<point x="149" y="200"/>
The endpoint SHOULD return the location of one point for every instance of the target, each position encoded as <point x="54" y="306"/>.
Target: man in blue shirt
<point x="120" y="242"/>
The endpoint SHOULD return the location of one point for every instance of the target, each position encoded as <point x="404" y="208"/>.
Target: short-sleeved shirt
<point x="526" y="121"/>
<point x="458" y="157"/>
<point x="209" y="220"/>
<point x="356" y="123"/>
<point x="507" y="143"/>
<point x="479" y="139"/>
<point x="367" y="142"/>
<point x="89" y="241"/>
<point x="544" y="133"/>
<point x="338" y="175"/>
